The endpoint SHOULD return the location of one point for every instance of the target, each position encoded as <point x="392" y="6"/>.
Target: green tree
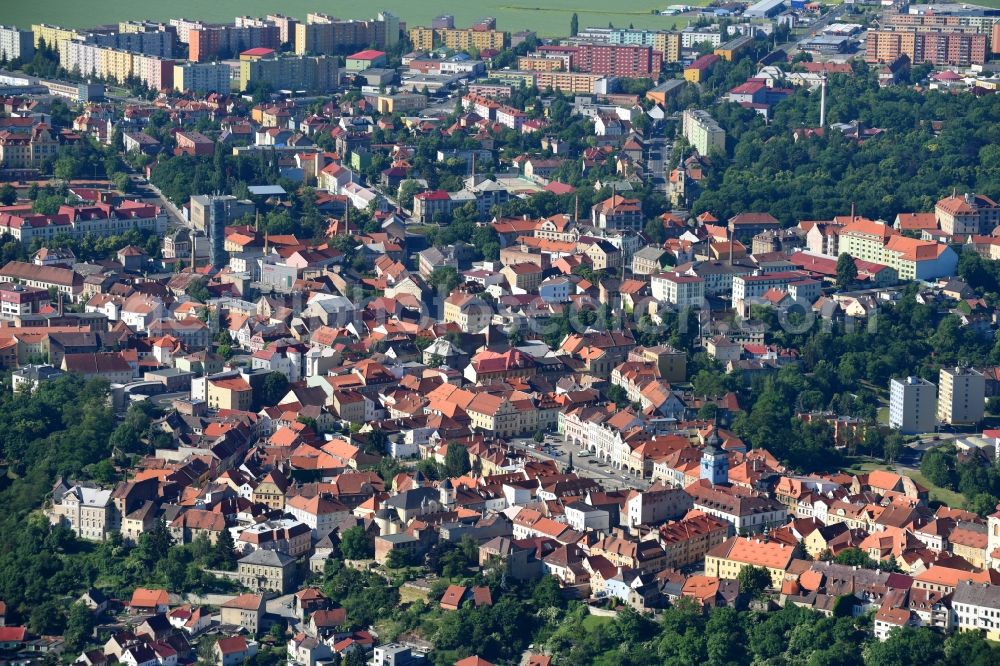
<point x="938" y="466"/>
<point x="456" y="460"/>
<point x="8" y="195"/>
<point x="398" y="559"/>
<point x="355" y="545"/>
<point x="407" y="190"/>
<point x="967" y="648"/>
<point x="847" y="270"/>
<point x="905" y="646"/>
<point x="47" y="619"/>
<point x="548" y="594"/>
<point x="66" y="168"/>
<point x="47" y="204"/>
<point x="273" y="389"/>
<point x="198" y="290"/>
<point x="444" y="278"/>
<point x="754" y="580"/>
<point x="894" y="443"/>
<point x="225" y="551"/>
<point x="574" y="25"/>
<point x="617" y="395"/>
<point x="982" y="503"/>
<point x="277" y="631"/>
<point x="708" y="411"/>
<point x="79" y="626"/>
<point x="854" y="557"/>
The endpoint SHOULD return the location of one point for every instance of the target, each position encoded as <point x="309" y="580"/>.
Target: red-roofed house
<point x="149" y="601"/>
<point x="233" y="650"/>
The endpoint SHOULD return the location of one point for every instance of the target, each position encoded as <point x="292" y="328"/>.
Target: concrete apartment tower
<point x="961" y="396"/>
<point x="911" y="405"/>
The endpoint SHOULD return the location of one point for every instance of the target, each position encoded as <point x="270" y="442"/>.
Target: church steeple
<point x="714" y="461"/>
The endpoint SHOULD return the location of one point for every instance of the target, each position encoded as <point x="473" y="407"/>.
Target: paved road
<point x="147" y="190"/>
<point x="282" y="606"/>
<point x="658" y="159"/>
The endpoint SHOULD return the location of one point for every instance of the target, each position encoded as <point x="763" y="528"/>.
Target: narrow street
<point x="658" y="156"/>
<point x="149" y="192"/>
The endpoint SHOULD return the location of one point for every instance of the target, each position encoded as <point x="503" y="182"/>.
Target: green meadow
<point x="547" y="18"/>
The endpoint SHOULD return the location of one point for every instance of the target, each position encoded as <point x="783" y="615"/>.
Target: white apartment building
<point x="976" y="607"/>
<point x="961" y="396"/>
<point x="203" y="77"/>
<point x="678" y="289"/>
<point x="746" y="288"/>
<point x="15" y="43"/>
<point x="910" y="401"/>
<point x="690" y="37"/>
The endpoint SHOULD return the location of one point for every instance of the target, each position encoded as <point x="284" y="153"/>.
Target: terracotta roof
<point x="453" y="596"/>
<point x="146" y="598"/>
<point x="756" y="552"/>
<point x="232" y="645"/>
<point x="245" y="602"/>
<point x="97" y="363"/>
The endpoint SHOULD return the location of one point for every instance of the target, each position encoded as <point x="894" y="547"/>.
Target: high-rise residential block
<point x="961" y="396"/>
<point x="911" y="405"/>
<point x="16" y="43"/>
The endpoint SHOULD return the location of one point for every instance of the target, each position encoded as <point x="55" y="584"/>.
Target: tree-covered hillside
<point x="915" y="160"/>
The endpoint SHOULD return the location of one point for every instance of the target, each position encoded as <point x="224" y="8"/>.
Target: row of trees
<point x="685" y="636"/>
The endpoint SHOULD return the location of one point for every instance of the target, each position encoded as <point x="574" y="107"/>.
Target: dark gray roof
<point x="268" y="558"/>
<point x="977" y="594"/>
<point x="411" y="499"/>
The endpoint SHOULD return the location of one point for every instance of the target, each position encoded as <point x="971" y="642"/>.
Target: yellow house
<point x="494" y="414"/>
<point x="471" y="313"/>
<point x="229" y="393"/>
<point x="698" y="71"/>
<point x="271" y="491"/>
<point x="731" y="556"/>
<point x="970" y="542"/>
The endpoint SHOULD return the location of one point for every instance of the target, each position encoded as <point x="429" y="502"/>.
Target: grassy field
<point x="593" y="621"/>
<point x="546" y="17"/>
<point x="549" y="18"/>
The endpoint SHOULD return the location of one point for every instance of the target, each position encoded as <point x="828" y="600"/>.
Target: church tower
<point x="993" y="539"/>
<point x="714" y="461"/>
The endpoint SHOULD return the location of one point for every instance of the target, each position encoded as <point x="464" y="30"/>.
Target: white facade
<point x="678" y="289"/>
<point x="554" y="290"/>
<point x="911" y="402"/>
<point x="16" y="43"/>
<point x="586" y="518"/>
